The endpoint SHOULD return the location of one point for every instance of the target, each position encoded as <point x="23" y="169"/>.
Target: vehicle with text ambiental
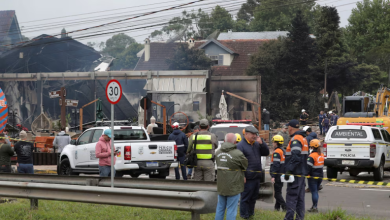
<point x="355" y="149"/>
<point x="136" y="153"/>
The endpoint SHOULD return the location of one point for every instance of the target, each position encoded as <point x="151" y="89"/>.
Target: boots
<point x="313" y="210"/>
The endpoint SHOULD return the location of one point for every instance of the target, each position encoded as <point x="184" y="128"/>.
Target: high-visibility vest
<point x="282" y="157"/>
<point x="318" y="159"/>
<point x="204" y="146"/>
<point x="305" y="146"/>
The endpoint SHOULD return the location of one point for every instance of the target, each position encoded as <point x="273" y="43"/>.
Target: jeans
<point x="266" y="127"/>
<point x="190" y="171"/>
<point x="26" y="168"/>
<point x="320" y="125"/>
<point x="182" y="167"/>
<point x="227" y="202"/>
<point x="314" y="185"/>
<point x="105" y="171"/>
<point x="249" y="197"/>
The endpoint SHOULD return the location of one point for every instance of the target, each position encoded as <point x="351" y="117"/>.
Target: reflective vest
<point x="204" y="147"/>
<point x="318" y="160"/>
<point x="305" y="146"/>
<point x="281" y="154"/>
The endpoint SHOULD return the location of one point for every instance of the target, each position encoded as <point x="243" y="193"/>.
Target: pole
<point x="81" y="119"/>
<point x="326" y="66"/>
<point x="63" y="108"/>
<point x="112" y="146"/>
<point x="165" y="120"/>
<point x="145" y="113"/>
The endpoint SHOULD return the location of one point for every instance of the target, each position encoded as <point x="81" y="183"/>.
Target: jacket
<point x="6" y="152"/>
<point x="228" y="157"/>
<point x="277" y="163"/>
<point x="253" y="153"/>
<point x="311" y="136"/>
<point x="103" y="152"/>
<point x="325" y="122"/>
<point x="321" y="117"/>
<point x="315" y="164"/>
<point x="61" y="140"/>
<point x="297" y="153"/>
<point x="333" y="119"/>
<point x="213" y="141"/>
<point x="181" y="142"/>
<point x="286" y="138"/>
<point x="266" y="117"/>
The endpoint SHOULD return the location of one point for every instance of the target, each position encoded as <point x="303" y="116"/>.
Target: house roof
<point x="6" y="18"/>
<point x="217" y="43"/>
<point x="265" y="35"/>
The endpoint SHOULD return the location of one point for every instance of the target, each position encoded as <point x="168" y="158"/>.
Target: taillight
<point x="175" y="151"/>
<point x="127" y="152"/>
<point x="372" y="150"/>
<point x="325" y="147"/>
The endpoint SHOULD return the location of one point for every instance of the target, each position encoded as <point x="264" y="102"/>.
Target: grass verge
<point x="59" y="210"/>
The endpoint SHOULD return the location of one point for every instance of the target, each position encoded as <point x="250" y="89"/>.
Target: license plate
<point x="152" y="164"/>
<point x="348" y="162"/>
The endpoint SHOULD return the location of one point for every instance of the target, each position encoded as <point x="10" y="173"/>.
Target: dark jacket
<point x="321" y="117"/>
<point x="311" y="136"/>
<point x="6" y="152"/>
<point x="266" y="117"/>
<point x="315" y="164"/>
<point x="277" y="165"/>
<point x="228" y="157"/>
<point x="333" y="119"/>
<point x="253" y="153"/>
<point x="296" y="161"/>
<point x="181" y="142"/>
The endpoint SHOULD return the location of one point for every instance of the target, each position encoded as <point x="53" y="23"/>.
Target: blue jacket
<point x="311" y="136"/>
<point x="181" y="142"/>
<point x="253" y="153"/>
<point x="333" y="119"/>
<point x="321" y="117"/>
<point x="296" y="161"/>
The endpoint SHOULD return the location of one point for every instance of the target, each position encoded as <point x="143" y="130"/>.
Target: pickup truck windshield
<point x="129" y="134"/>
<point x="349" y="133"/>
<point x="220" y="132"/>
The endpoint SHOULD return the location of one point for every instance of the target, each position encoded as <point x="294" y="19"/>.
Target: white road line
<point x="379" y="190"/>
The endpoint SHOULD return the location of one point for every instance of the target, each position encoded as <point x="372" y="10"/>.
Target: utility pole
<point x="63" y="108"/>
<point x="326" y="67"/>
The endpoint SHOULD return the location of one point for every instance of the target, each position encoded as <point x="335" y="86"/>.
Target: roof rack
<point x="365" y="124"/>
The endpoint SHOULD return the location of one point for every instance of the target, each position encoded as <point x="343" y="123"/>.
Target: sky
<point x="38" y="17"/>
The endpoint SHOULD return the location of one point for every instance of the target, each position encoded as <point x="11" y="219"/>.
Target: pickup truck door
<point x="82" y="154"/>
<point x="386" y="137"/>
<point x="93" y="161"/>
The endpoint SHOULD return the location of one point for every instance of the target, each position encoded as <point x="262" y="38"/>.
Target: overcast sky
<point x="49" y="17"/>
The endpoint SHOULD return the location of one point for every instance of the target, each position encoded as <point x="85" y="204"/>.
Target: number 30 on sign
<point x="113" y="91"/>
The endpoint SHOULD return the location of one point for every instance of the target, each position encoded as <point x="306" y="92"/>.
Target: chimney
<point x="230" y="33"/>
<point x="147" y="49"/>
<point x="191" y="43"/>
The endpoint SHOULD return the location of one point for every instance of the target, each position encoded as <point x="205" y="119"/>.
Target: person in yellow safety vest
<point x="277" y="167"/>
<point x="205" y="144"/>
<point x="315" y="164"/>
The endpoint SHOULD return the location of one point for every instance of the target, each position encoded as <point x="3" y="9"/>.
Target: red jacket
<point x="103" y="152"/>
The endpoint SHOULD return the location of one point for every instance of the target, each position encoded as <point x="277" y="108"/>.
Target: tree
<point x="128" y="58"/>
<point x="374" y="77"/>
<point x="381" y="56"/>
<point x="246" y="11"/>
<point x="117" y="44"/>
<point x="241" y="26"/>
<point x="222" y="20"/>
<point x="189" y="59"/>
<point x="96" y="45"/>
<point x="369" y="27"/>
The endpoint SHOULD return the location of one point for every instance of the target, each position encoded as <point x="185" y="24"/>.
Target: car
<point x="220" y="130"/>
<point x="136" y="153"/>
<point x="355" y="149"/>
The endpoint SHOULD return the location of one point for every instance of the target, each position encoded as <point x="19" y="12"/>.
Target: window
<point x="129" y="134"/>
<point x="195" y="106"/>
<point x="388" y="135"/>
<point x="84" y="138"/>
<point x="248" y="106"/>
<point x="220" y="60"/>
<point x="96" y="135"/>
<point x="214" y="59"/>
<point x="385" y="136"/>
<point x="377" y="134"/>
<point x="220" y="132"/>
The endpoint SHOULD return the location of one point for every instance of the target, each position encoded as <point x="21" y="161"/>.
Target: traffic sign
<point x="55" y="94"/>
<point x="142" y="103"/>
<point x="70" y="102"/>
<point x="113" y="91"/>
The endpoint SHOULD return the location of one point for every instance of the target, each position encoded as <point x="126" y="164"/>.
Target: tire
<point x="119" y="174"/>
<point x="379" y="172"/>
<point x="354" y="173"/>
<point x="157" y="176"/>
<point x="65" y="169"/>
<point x="331" y="173"/>
<point x="134" y="175"/>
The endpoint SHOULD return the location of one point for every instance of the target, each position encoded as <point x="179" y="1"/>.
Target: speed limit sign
<point x="113" y="91"/>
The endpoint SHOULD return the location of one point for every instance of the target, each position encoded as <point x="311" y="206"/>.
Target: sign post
<point x="113" y="94"/>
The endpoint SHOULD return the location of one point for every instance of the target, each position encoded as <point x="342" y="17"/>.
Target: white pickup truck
<point x="136" y="153"/>
<point x="355" y="149"/>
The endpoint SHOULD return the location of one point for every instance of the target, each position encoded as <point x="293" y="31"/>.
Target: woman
<point x="315" y="164"/>
<point x="277" y="167"/>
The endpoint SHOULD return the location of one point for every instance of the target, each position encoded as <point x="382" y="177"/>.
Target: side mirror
<point x="73" y="142"/>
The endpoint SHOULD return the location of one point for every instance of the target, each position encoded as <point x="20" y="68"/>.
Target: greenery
<point x="70" y="210"/>
<point x="189" y="59"/>
<point x="247" y="9"/>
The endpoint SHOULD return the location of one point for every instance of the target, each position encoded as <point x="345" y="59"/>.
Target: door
<point x="82" y="154"/>
<point x="386" y="136"/>
<point x="93" y="161"/>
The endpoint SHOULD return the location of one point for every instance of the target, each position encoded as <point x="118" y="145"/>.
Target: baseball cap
<point x="204" y="122"/>
<point x="251" y="129"/>
<point x="293" y="123"/>
<point x="23" y="134"/>
<point x="107" y="132"/>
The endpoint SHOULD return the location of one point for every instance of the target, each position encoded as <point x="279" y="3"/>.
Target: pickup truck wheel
<point x="119" y="174"/>
<point x="65" y="169"/>
<point x="379" y="172"/>
<point x="331" y="173"/>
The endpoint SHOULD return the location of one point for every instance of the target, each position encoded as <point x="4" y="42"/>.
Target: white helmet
<point x="303" y="110"/>
<point x="175" y="125"/>
<point x="330" y="112"/>
<point x="264" y="110"/>
<point x="305" y="128"/>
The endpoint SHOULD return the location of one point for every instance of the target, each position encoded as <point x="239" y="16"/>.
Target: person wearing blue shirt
<point x="321" y="117"/>
<point x="182" y="144"/>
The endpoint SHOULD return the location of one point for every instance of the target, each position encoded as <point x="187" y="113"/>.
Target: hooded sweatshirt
<point x="103" y="152"/>
<point x="61" y="140"/>
<point x="181" y="141"/>
<point x="311" y="136"/>
<point x="230" y="183"/>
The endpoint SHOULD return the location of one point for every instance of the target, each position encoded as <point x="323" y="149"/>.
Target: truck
<point x="137" y="154"/>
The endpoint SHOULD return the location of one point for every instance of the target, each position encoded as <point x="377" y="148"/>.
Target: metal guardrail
<point x="201" y="202"/>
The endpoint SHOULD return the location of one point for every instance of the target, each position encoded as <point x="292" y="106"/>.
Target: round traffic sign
<point x="113" y="91"/>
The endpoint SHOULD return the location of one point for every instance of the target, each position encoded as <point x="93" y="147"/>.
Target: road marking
<point x="381" y="190"/>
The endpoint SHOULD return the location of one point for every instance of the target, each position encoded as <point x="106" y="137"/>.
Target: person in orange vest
<point x="296" y="164"/>
<point x="315" y="164"/>
<point x="277" y="167"/>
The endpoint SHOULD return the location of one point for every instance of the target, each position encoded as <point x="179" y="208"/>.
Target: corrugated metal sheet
<point x="176" y="84"/>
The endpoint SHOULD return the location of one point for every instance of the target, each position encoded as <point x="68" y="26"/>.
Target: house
<point x="9" y="29"/>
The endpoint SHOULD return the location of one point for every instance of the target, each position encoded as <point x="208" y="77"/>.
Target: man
<point x="196" y="130"/>
<point x="266" y="118"/>
<point x="285" y="135"/>
<point x="103" y="152"/>
<point x="182" y="144"/>
<point x="205" y="146"/>
<point x="303" y="118"/>
<point x="229" y="183"/>
<point x="296" y="163"/>
<point x="321" y="117"/>
<point x="310" y="135"/>
<point x="6" y="152"/>
<point x="152" y="125"/>
<point x="24" y="151"/>
<point x="333" y="119"/>
<point x="277" y="167"/>
<point x="61" y="140"/>
<point x="253" y="151"/>
<point x="6" y="137"/>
